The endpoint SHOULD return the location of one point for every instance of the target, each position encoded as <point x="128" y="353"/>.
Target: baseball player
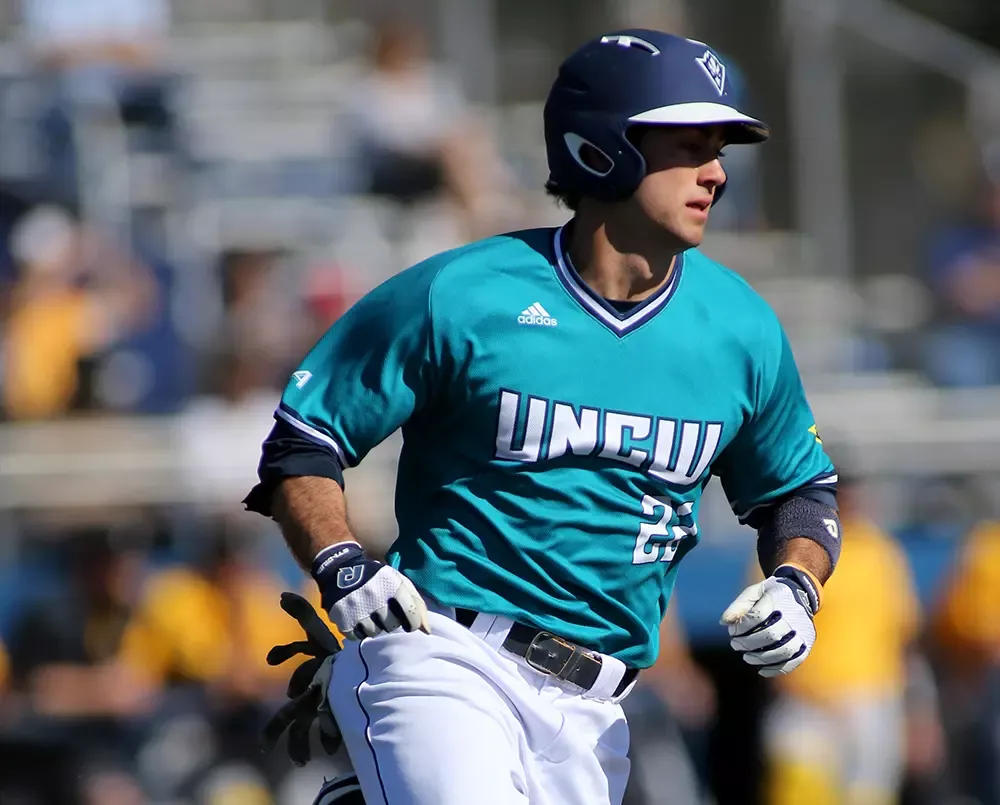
<point x="564" y="395"/>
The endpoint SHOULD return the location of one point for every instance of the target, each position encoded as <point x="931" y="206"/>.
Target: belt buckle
<point x="532" y="647"/>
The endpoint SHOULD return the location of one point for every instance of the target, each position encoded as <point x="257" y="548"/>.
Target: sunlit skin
<point x="625" y="250"/>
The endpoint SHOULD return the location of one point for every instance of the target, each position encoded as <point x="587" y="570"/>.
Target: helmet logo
<point x="714" y="69"/>
<point x="625" y="41"/>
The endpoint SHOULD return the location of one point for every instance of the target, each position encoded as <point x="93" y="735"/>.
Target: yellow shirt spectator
<point x="869" y="602"/>
<point x="967" y="621"/>
<point x="189" y="627"/>
<point x="42" y="349"/>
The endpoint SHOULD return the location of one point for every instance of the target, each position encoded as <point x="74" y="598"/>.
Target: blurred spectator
<point x="5" y="709"/>
<point x="206" y="628"/>
<point x="100" y="58"/>
<point x="75" y="296"/>
<point x="963" y="624"/>
<point x="28" y="769"/>
<point x="213" y="621"/>
<point x="327" y="294"/>
<point x="941" y="508"/>
<point x="66" y="663"/>
<point x="126" y="34"/>
<point x="929" y="779"/>
<point x="837" y="730"/>
<point x="967" y="632"/>
<point x="964" y="348"/>
<point x="673" y="699"/>
<point x="152" y="368"/>
<point x="417" y="136"/>
<point x="13" y="206"/>
<point x="264" y="329"/>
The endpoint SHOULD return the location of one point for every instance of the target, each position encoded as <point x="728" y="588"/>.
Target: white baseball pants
<point x="451" y="718"/>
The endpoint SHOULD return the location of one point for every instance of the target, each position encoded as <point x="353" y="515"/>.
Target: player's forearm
<point x="312" y="515"/>
<point x="806" y="554"/>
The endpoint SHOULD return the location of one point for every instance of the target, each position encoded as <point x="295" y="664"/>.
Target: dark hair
<point x="570" y="201"/>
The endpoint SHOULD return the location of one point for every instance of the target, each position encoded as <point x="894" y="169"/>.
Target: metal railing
<point x="209" y="456"/>
<point x="816" y="77"/>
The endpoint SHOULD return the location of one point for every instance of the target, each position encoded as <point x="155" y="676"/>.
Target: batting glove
<point x="364" y="596"/>
<point x="307" y="688"/>
<point x="343" y="790"/>
<point x="771" y="623"/>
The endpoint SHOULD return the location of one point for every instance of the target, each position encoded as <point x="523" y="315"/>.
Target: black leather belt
<point x="552" y="654"/>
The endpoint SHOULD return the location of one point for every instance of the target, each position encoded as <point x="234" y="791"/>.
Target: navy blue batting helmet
<point x="629" y="78"/>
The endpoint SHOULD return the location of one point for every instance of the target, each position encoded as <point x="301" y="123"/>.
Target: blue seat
<point x="21" y="585"/>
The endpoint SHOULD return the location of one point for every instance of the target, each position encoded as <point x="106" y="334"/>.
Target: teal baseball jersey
<point x="555" y="449"/>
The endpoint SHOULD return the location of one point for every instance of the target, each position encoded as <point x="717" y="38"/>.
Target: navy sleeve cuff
<point x="825" y="493"/>
<point x="288" y="453"/>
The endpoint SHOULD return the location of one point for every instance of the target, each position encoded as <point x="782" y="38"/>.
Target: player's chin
<point x="689" y="226"/>
<point x="696" y="237"/>
<point x="684" y="228"/>
<point x="691" y="234"/>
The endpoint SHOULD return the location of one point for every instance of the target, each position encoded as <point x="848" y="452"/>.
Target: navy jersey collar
<point x="602" y="310"/>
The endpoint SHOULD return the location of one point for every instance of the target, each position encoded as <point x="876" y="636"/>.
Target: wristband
<point x="331" y="558"/>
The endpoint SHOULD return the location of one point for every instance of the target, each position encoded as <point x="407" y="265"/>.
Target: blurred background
<point x="191" y="191"/>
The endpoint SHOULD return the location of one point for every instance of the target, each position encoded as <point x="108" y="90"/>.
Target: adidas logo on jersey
<point x="536" y="314"/>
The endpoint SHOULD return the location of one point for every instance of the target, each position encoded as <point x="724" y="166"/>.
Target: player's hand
<point x="364" y="596"/>
<point x="771" y="623"/>
<point x="308" y="686"/>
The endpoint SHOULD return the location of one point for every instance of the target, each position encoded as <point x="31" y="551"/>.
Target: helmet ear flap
<point x="588" y="156"/>
<point x="608" y="167"/>
<point x="631" y="165"/>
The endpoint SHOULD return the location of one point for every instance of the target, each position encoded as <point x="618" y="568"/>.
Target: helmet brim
<point x="741" y="129"/>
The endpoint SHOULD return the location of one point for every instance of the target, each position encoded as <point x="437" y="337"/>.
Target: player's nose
<point x="712" y="175"/>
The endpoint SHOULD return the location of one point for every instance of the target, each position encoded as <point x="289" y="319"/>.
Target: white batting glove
<point x="771" y="623"/>
<point x="364" y="596"/>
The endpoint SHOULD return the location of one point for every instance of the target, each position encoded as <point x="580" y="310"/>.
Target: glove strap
<point x="329" y="560"/>
<point x="801" y="580"/>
